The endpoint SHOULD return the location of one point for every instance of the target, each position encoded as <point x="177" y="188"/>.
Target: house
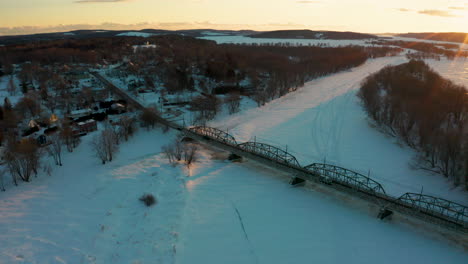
<point x="53" y="118"/>
<point x="51" y="130"/>
<point x="32" y="123"/>
<point x="118" y="107"/>
<point x="85" y="127"/>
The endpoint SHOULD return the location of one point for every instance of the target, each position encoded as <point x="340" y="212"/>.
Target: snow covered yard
<point x="324" y="121"/>
<point x="89" y="213"/>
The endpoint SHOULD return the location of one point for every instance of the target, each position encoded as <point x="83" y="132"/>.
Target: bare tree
<point x="149" y="117"/>
<point x="174" y="151"/>
<point x="28" y="105"/>
<point x="127" y="127"/>
<point x="97" y="145"/>
<point x="261" y="97"/>
<point x="190" y="151"/>
<point x="22" y="159"/>
<point x="8" y="67"/>
<point x="2" y="183"/>
<point x="11" y="87"/>
<point x="233" y="103"/>
<point x="178" y="151"/>
<point x="206" y="108"/>
<point x="55" y="148"/>
<point x="68" y="136"/>
<point x="111" y="142"/>
<point x="169" y="152"/>
<point x="98" y="148"/>
<point x="105" y="145"/>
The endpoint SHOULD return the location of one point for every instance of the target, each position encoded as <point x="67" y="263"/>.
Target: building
<point x="85" y="127"/>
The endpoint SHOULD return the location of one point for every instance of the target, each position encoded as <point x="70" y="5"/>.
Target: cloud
<point x="307" y="2"/>
<point x="434" y="12"/>
<point x="457" y="8"/>
<point x="404" y="9"/>
<point x="99" y="1"/>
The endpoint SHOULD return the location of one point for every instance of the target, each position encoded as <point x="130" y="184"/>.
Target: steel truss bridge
<point x="214" y="133"/>
<point x="358" y="181"/>
<point x="331" y="174"/>
<point x="270" y="152"/>
<point x="448" y="212"/>
<point x="436" y="206"/>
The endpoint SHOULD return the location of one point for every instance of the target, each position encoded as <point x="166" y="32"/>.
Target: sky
<point x="371" y="16"/>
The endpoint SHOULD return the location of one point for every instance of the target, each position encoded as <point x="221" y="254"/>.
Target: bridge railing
<point x="215" y="134"/>
<point x="444" y="208"/>
<point x="271" y="152"/>
<point x="349" y="177"/>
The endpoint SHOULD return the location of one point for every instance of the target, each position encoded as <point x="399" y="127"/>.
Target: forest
<point x="267" y="71"/>
<point x="272" y="71"/>
<point x="427" y="112"/>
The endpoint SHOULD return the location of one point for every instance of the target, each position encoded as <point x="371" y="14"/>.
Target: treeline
<point x="450" y="51"/>
<point x="429" y="113"/>
<point x="90" y="51"/>
<point x="309" y="34"/>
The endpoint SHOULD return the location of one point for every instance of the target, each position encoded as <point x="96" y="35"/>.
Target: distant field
<point x="451" y="37"/>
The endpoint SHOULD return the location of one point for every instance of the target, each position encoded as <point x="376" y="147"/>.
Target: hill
<point x="309" y="34"/>
<point x="87" y="34"/>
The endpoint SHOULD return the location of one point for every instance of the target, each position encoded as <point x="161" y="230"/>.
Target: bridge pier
<point x="296" y="181"/>
<point x="234" y="157"/>
<point x="384" y="213"/>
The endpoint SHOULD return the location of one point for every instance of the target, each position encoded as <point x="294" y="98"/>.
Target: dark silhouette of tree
<point x="149" y="117"/>
<point x="429" y="113"/>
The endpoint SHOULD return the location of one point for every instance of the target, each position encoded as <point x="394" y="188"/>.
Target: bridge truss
<point x="215" y="134"/>
<point x="349" y="177"/>
<point x="429" y="204"/>
<point x="270" y="152"/>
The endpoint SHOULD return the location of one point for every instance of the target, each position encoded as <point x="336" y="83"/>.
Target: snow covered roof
<point x="33" y="123"/>
<point x="81" y="111"/>
<point x="87" y="122"/>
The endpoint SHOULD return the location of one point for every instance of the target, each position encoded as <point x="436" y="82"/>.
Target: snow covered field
<point x="456" y="70"/>
<point x="4" y="81"/>
<point x="217" y="212"/>
<point x="89" y="213"/>
<point x="323" y="121"/>
<point x="304" y="42"/>
<point x="136" y="34"/>
<point x="248" y="214"/>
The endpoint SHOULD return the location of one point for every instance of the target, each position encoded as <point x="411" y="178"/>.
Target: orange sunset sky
<point x="31" y="16"/>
